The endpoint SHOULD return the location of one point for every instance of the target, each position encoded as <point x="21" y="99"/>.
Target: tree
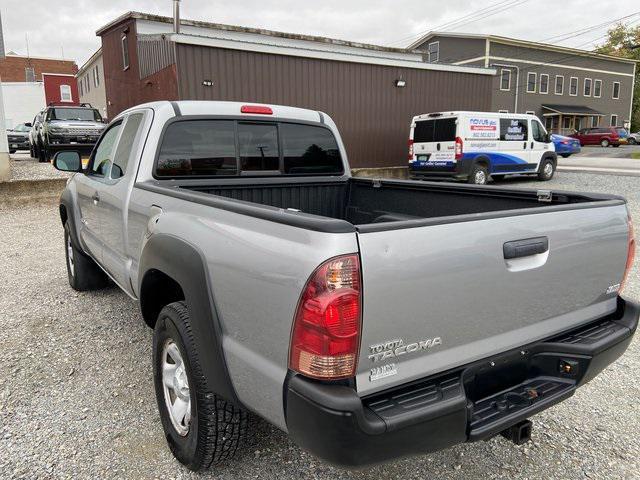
<point x="620" y="42"/>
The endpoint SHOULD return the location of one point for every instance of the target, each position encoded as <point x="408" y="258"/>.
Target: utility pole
<point x="5" y="169"/>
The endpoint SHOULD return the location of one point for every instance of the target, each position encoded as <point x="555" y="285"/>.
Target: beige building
<point x="91" y="83"/>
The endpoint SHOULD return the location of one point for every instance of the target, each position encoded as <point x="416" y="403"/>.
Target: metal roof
<point x="268" y="41"/>
<point x="572" y="110"/>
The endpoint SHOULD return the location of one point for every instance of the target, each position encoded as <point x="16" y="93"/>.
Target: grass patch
<point x="635" y="155"/>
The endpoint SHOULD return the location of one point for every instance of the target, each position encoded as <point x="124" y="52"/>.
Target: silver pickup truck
<point x="369" y="319"/>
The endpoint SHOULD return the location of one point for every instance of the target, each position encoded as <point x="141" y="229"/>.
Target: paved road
<point x="600" y="165"/>
<point x="77" y="401"/>
<point x="623" y="151"/>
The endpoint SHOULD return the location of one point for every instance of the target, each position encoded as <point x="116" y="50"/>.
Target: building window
<point x="87" y="86"/>
<point x="616" y="90"/>
<point x="597" y="88"/>
<point x="96" y="77"/>
<point x="532" y="78"/>
<point x="614" y="120"/>
<point x="125" y="53"/>
<point x="434" y="52"/>
<point x="505" y="79"/>
<point x="573" y="86"/>
<point x="587" y="87"/>
<point x="65" y="93"/>
<point x="594" y="121"/>
<point x="566" y="122"/>
<point x="81" y="88"/>
<point x="544" y="83"/>
<point x="29" y="74"/>
<point x="559" y="84"/>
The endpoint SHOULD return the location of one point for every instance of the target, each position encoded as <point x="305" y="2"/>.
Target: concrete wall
<point x="22" y="101"/>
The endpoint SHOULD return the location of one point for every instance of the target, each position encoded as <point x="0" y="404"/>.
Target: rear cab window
<point x="209" y="148"/>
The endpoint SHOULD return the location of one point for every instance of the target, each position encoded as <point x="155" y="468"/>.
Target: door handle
<point x="525" y="247"/>
<point x="524" y="145"/>
<point x="531" y="145"/>
<point x="95" y="198"/>
<point x="438" y="146"/>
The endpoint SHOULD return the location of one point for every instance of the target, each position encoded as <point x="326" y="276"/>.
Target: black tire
<point x="12" y="151"/>
<point x="604" y="143"/>
<point x="82" y="271"/>
<point x="217" y="428"/>
<point x="41" y="154"/>
<point x="497" y="178"/>
<point x="565" y="155"/>
<point x="632" y="141"/>
<point x="479" y="175"/>
<point x="546" y="173"/>
<point x="32" y="152"/>
<point x="616" y="145"/>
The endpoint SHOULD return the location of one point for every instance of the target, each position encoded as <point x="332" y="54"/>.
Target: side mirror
<point x="28" y="124"/>
<point x="68" y="161"/>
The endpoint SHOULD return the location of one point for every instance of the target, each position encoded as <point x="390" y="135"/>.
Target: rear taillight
<point x="459" y="149"/>
<point x="326" y="329"/>
<point x="631" y="253"/>
<point x="410" y="149"/>
<point x="565" y="142"/>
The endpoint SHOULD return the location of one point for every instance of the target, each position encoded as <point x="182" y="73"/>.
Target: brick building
<point x="19" y="68"/>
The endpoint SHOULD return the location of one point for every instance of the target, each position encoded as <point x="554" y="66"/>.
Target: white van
<point x="474" y="146"/>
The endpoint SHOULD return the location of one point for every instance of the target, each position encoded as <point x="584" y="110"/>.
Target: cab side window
<point x="125" y="145"/>
<point x="103" y="154"/>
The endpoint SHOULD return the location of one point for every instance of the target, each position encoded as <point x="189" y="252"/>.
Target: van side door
<point x="513" y="154"/>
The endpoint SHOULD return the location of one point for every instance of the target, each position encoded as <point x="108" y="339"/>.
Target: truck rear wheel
<point x="82" y="271"/>
<point x="201" y="428"/>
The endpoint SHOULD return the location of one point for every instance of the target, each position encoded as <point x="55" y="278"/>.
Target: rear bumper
<point x="474" y="402"/>
<point x="460" y="171"/>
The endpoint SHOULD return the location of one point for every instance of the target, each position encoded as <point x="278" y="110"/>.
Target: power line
<point x="577" y="33"/>
<point x="466" y="19"/>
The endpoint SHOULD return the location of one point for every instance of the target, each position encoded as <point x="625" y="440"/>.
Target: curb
<point x="23" y="191"/>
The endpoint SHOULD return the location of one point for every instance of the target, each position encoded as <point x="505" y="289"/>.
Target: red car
<point x="604" y="136"/>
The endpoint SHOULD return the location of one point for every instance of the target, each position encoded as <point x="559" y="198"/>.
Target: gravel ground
<point x="23" y="167"/>
<point x="77" y="401"/>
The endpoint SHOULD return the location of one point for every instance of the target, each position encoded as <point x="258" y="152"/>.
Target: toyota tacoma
<point x="370" y="319"/>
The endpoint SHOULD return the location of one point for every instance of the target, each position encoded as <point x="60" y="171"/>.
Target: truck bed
<point x="376" y="203"/>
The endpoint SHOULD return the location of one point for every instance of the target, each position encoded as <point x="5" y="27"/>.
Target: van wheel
<point x="478" y="175"/>
<point x="604" y="142"/>
<point x="82" y="271"/>
<point x="547" y="169"/>
<point x="201" y="428"/>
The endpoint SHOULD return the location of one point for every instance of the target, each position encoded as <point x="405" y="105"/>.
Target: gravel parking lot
<point x="77" y="400"/>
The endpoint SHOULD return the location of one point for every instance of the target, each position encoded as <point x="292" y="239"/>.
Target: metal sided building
<point x="371" y="92"/>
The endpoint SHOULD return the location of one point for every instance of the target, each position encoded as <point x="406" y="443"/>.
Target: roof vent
<point x="176" y="16"/>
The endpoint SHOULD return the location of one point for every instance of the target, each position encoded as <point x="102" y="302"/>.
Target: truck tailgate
<point x="443" y="295"/>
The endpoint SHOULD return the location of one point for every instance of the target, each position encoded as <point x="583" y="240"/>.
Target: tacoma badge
<point x="395" y="348"/>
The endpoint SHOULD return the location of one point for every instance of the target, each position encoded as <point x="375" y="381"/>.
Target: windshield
<point x="21" y="128"/>
<point x="88" y="114"/>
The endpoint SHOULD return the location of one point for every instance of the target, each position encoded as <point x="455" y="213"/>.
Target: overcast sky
<point x="57" y="26"/>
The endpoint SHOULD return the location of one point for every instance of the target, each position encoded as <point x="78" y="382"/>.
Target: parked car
<point x="634" y="138"/>
<point x="34" y="133"/>
<point x="67" y="127"/>
<point x="565" y="146"/>
<point x="358" y="315"/>
<point x="603" y="136"/>
<point x="18" y="137"/>
<point x="474" y="146"/>
<point x="623" y="133"/>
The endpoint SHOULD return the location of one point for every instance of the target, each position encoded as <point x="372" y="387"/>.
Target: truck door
<point x="538" y="143"/>
<point x="89" y="187"/>
<point x="513" y="153"/>
<point x="115" y="194"/>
